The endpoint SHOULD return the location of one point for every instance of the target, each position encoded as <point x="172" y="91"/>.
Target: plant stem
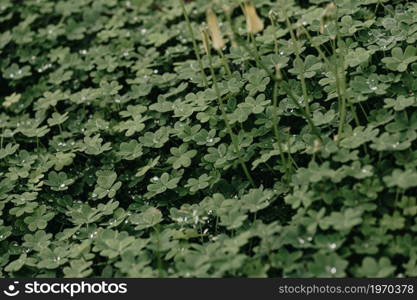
<point x="275" y="35"/>
<point x="255" y="47"/>
<point x="339" y="88"/>
<point x="196" y="51"/>
<point x="226" y="121"/>
<point x="300" y="61"/>
<point x="275" y="124"/>
<point x="321" y="53"/>
<point x="343" y="87"/>
<point x="313" y="127"/>
<point x="261" y="65"/>
<point x="363" y="111"/>
<point x="225" y="63"/>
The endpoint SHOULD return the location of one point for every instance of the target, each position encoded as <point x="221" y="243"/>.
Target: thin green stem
<point x="321" y="53"/>
<point x="355" y="115"/>
<point x="300" y="61"/>
<point x="275" y="124"/>
<point x="196" y="51"/>
<point x="343" y="108"/>
<point x="313" y="127"/>
<point x="342" y="100"/>
<point x="225" y="63"/>
<point x="339" y="88"/>
<point x="226" y="121"/>
<point x="363" y="111"/>
<point x="273" y="22"/>
<point x="255" y="47"/>
<point x="271" y="75"/>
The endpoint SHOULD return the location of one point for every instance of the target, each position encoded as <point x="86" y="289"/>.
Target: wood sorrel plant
<point x="116" y="160"/>
<point x="235" y="144"/>
<point x="330" y="16"/>
<point x="194" y="41"/>
<point x="254" y="53"/>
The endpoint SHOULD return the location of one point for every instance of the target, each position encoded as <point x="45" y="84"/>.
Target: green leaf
<point x="373" y="268"/>
<point x="149" y="218"/>
<point x="403" y="179"/>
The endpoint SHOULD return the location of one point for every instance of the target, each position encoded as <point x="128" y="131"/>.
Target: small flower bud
<point x="227" y="9"/>
<point x="214" y="29"/>
<point x="317" y="146"/>
<point x="278" y="73"/>
<point x="254" y="23"/>
<point x="273" y="16"/>
<point x="329" y="14"/>
<point x="205" y="38"/>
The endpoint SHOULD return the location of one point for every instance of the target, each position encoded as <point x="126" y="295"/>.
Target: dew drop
<point x="372" y="84"/>
<point x="332" y="246"/>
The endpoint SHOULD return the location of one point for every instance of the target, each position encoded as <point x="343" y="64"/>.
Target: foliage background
<point x="115" y="160"/>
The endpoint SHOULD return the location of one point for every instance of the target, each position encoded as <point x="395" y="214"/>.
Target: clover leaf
<point x="182" y="157"/>
<point x="343" y="220"/>
<point x="195" y="184"/>
<point x="257" y="79"/>
<point x="39" y="219"/>
<point x="165" y="182"/>
<point x="78" y="269"/>
<point x="149" y="218"/>
<point x="403" y="179"/>
<point x="94" y="146"/>
<point x="130" y="150"/>
<point x="376" y="268"/>
<point x="357" y="56"/>
<point x="112" y="243"/>
<point x="58" y="181"/>
<point x="106" y="184"/>
<point x="400" y="59"/>
<point x="57" y="118"/>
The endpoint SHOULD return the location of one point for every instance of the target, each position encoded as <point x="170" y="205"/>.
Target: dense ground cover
<point x="292" y="154"/>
